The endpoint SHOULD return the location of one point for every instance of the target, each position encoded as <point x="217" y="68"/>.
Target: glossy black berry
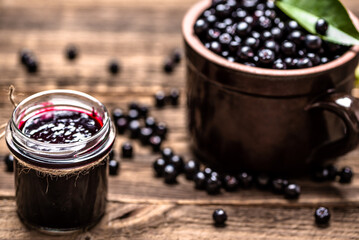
<point x="314" y="58"/>
<point x="177" y="162"/>
<point x="9" y="161"/>
<point x="233" y="46"/>
<point x="322" y="216"/>
<point x="345" y="175"/>
<point x="288" y="48"/>
<point x="170" y="174"/>
<point x="155" y="142"/>
<point x="133" y="114"/>
<point x="117" y="113"/>
<point x="159" y="166"/>
<point x="321" y="26"/>
<point x="297" y="37"/>
<point x="262" y="181"/>
<point x="245" y="53"/>
<point x="266" y="56"/>
<point x="71" y="52"/>
<point x="200" y="180"/>
<point x="174" y="96"/>
<point x="121" y="125"/>
<point x="292" y="25"/>
<point x="245" y="180"/>
<point x="127" y="150"/>
<point x="207" y="171"/>
<point x="243" y="29"/>
<point x="215" y="47"/>
<point x="213" y="185"/>
<point x="176" y="55"/>
<point x="277" y="33"/>
<point x="32" y="65"/>
<point x="145" y="134"/>
<point x="160" y="98"/>
<point x="279" y="64"/>
<point x="225" y="39"/>
<point x="161" y="130"/>
<point x="24" y="56"/>
<point x="168" y="65"/>
<point x="133" y="105"/>
<point x="114" y="167"/>
<point x="200" y="26"/>
<point x="252" y="42"/>
<point x="278" y="185"/>
<point x="190" y="169"/>
<point x="313" y="42"/>
<point x="230" y="183"/>
<point x="143" y="110"/>
<point x="213" y="35"/>
<point x="167" y="153"/>
<point x="272" y="45"/>
<point x="134" y="128"/>
<point x="113" y="66"/>
<point x="304" y="63"/>
<point x="219" y="217"/>
<point x="292" y="191"/>
<point x="150" y="122"/>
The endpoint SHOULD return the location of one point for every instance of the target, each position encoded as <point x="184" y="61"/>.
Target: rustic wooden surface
<point x="140" y="34"/>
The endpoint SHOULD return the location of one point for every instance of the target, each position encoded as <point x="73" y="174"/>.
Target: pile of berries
<point x="256" y="33"/>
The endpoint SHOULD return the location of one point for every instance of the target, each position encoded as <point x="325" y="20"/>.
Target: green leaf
<point x="357" y="76"/>
<point x="307" y="12"/>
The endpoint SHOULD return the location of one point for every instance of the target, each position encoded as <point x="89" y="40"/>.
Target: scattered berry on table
<point x="200" y="180"/>
<point x="245" y="180"/>
<point x="278" y="185"/>
<point x="9" y="161"/>
<point x="345" y="175"/>
<point x="160" y="99"/>
<point x="145" y="134"/>
<point x="322" y="216"/>
<point x="117" y="113"/>
<point x="168" y="65"/>
<point x="321" y="26"/>
<point x="71" y="52"/>
<point x="121" y="125"/>
<point x="191" y="168"/>
<point x="230" y="183"/>
<point x="174" y="96"/>
<point x="159" y="166"/>
<point x="143" y="110"/>
<point x="262" y="181"/>
<point x="292" y="191"/>
<point x="177" y="162"/>
<point x="161" y="130"/>
<point x="135" y="129"/>
<point x="177" y="55"/>
<point x="219" y="217"/>
<point x="127" y="150"/>
<point x="114" y="166"/>
<point x="213" y="185"/>
<point x="156" y="142"/>
<point x="133" y="114"/>
<point x="25" y="54"/>
<point x="111" y="155"/>
<point x="32" y="65"/>
<point x="150" y="122"/>
<point x="170" y="174"/>
<point x="114" y="67"/>
<point x="167" y="153"/>
<point x="207" y="171"/>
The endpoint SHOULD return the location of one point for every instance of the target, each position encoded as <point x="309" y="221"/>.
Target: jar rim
<point x="77" y="152"/>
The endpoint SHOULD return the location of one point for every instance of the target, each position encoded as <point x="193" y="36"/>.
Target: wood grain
<point x="141" y="34"/>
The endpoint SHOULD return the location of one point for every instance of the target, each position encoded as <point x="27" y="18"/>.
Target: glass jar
<point x="60" y="187"/>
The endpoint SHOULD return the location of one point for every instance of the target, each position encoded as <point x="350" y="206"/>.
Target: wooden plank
<point x="171" y="221"/>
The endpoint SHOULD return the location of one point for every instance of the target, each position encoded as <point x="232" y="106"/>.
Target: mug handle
<point x="346" y="107"/>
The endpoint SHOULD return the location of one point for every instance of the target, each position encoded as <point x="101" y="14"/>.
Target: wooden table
<point x="141" y="34"/>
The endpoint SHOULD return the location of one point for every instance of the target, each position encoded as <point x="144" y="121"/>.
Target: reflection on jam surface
<point x="61" y="126"/>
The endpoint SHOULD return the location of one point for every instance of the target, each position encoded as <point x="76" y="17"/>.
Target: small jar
<point x="60" y="187"/>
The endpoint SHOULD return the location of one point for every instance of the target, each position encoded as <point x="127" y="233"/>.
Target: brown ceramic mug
<point x="264" y="120"/>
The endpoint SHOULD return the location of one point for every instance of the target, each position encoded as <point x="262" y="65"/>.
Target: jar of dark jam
<point x="61" y="140"/>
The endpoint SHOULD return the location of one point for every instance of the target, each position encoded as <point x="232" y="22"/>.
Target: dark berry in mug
<point x="236" y="30"/>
